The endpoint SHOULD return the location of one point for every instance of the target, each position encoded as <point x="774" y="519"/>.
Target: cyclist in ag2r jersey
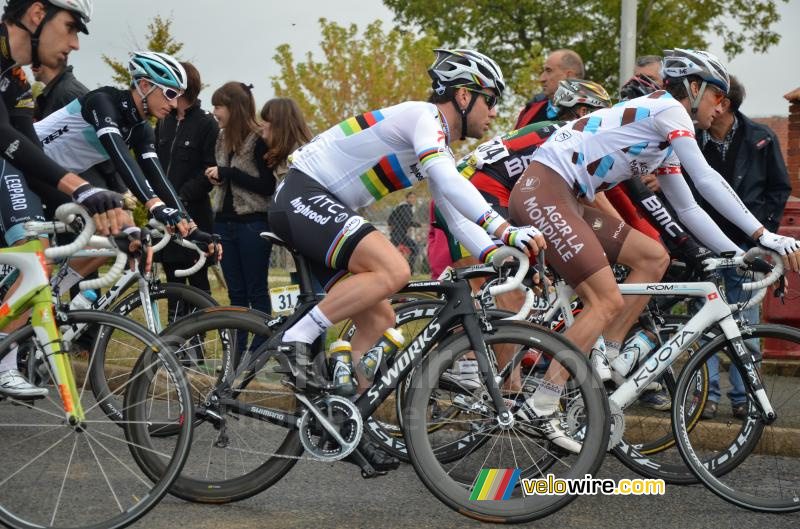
<point x="653" y="133"/>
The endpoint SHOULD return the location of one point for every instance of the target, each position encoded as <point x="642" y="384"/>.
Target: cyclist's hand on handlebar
<point x="206" y="241"/>
<point x="171" y="218"/>
<point x="694" y="253"/>
<point x="526" y="238"/>
<point x="136" y="244"/>
<point x="787" y="247"/>
<point x="104" y="206"/>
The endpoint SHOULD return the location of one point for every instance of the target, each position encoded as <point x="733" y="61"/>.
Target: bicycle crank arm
<point x="322" y="419"/>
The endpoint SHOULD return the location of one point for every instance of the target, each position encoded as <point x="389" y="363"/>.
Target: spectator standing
<point x="559" y="65"/>
<point x="748" y="157"/>
<point x="400" y="221"/>
<point x="245" y="182"/>
<point x="185" y="143"/>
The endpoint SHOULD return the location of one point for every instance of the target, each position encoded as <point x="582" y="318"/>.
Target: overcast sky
<point x="236" y="39"/>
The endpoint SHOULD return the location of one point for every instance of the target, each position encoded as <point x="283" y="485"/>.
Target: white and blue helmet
<point x="681" y="63"/>
<point x="160" y="68"/>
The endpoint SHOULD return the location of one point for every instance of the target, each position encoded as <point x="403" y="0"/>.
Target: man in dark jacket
<point x="185" y="142"/>
<point x="748" y="157"/>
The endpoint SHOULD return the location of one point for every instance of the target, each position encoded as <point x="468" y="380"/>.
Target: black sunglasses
<point x="491" y="99"/>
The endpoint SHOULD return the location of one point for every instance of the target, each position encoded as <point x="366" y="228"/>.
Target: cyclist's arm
<point x="143" y="144"/>
<point x="675" y="124"/>
<point x="98" y="110"/>
<point x="21" y="148"/>
<point x="437" y="161"/>
<point x="692" y="215"/>
<point x="473" y="237"/>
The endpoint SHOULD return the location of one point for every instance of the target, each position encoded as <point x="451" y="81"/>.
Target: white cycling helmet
<point x="679" y="64"/>
<point x="468" y="68"/>
<point x="14" y="9"/>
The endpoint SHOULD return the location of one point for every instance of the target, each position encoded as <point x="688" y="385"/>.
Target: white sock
<point x="9" y="361"/>
<point x="308" y="328"/>
<point x="612" y="350"/>
<point x="544" y="400"/>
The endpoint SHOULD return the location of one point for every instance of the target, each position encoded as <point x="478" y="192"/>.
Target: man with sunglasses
<point x="359" y="161"/>
<point x="107" y="123"/>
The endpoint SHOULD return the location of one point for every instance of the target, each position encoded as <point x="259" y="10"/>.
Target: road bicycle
<point x="65" y="463"/>
<point x="155" y="304"/>
<point x="259" y="419"/>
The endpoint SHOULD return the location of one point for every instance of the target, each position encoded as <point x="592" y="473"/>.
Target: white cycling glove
<point x="520" y="237"/>
<point x="780" y="243"/>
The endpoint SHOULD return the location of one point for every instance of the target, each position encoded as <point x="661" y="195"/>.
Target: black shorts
<point x="316" y="224"/>
<point x="18" y="204"/>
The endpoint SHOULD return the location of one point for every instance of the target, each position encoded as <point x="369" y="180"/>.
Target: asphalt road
<point x="326" y="495"/>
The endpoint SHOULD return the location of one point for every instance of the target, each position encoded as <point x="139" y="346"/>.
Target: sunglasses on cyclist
<point x="169" y="93"/>
<point x="491" y="99"/>
<point x="718" y="94"/>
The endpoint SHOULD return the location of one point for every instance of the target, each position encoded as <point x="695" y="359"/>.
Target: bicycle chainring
<point x="343" y="415"/>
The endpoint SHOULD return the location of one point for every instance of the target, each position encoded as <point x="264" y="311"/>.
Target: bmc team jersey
<point x="369" y="156"/>
<point x="496" y="165"/>
<point x="598" y="151"/>
<point x="105" y="124"/>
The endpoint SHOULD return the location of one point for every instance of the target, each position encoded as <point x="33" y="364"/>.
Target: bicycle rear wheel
<point x="748" y="462"/>
<point x="457" y="483"/>
<point x="57" y="475"/>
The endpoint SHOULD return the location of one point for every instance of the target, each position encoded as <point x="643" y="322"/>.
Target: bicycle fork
<point x="47" y="334"/>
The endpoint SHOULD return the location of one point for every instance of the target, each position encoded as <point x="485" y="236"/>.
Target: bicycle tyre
<point x="191" y="298"/>
<point x="456" y="494"/>
<point x="719" y="461"/>
<point x="96" y="436"/>
<point x="195" y="484"/>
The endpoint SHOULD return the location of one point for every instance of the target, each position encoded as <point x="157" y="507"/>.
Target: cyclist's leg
<point x="647" y="259"/>
<point x="318" y="225"/>
<point x="543" y="199"/>
<point x="370" y="325"/>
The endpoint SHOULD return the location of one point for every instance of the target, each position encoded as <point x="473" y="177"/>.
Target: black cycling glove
<point x="166" y="215"/>
<point x="96" y="199"/>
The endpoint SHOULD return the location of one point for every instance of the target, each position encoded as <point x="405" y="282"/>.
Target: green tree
<point x="517" y="32"/>
<point x="159" y="38"/>
<point x="356" y="73"/>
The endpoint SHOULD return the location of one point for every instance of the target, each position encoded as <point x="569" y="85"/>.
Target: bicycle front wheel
<point x="83" y="475"/>
<point x="747" y="461"/>
<point x="169" y="302"/>
<point x="461" y="483"/>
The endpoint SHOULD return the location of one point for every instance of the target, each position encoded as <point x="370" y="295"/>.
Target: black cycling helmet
<point x="638" y="86"/>
<point x="81" y="10"/>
